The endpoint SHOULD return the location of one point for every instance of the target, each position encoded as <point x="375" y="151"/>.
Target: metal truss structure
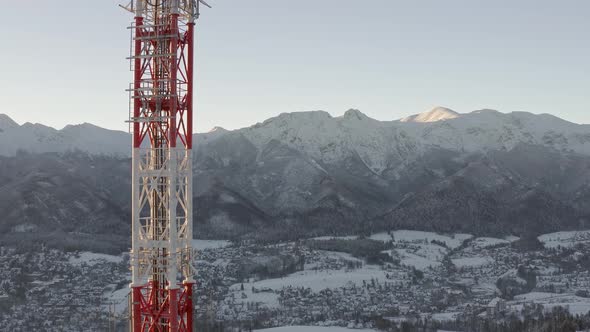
<point x="161" y="118"/>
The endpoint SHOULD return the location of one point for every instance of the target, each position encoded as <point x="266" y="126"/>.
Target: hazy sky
<point x="63" y="61"/>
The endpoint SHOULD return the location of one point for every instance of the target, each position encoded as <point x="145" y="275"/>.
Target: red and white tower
<point x="162" y="117"/>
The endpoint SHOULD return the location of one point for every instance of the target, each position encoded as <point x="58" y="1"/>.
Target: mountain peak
<point x="436" y="114"/>
<point x="217" y="129"/>
<point x="6" y="122"/>
<point x="84" y="127"/>
<point x="487" y="111"/>
<point x="354" y="114"/>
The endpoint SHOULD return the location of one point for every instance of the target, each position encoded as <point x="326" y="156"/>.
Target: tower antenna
<point x="161" y="118"/>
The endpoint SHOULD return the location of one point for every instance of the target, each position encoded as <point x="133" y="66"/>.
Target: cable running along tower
<point x="161" y="116"/>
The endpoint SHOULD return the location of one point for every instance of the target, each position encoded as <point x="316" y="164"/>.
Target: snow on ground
<point x="316" y="280"/>
<point x="511" y="238"/>
<point x="486" y="242"/>
<point x="39" y="283"/>
<point x="446" y="316"/>
<point x="210" y="244"/>
<point x="313" y="329"/>
<point x="575" y="304"/>
<point x="383" y="237"/>
<point x="417" y="249"/>
<point x="420" y="254"/>
<point x="536" y="296"/>
<point x="119" y="299"/>
<point x="324" y="238"/>
<point x="472" y="261"/>
<point x="564" y="239"/>
<point x="408" y="258"/>
<point x="92" y="258"/>
<point x="267" y="298"/>
<point x="452" y="240"/>
<point x="221" y="262"/>
<point x="340" y="255"/>
<point x="513" y="274"/>
<point x="485" y="288"/>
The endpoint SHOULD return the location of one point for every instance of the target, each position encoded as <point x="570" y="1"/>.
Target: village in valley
<point x="372" y="281"/>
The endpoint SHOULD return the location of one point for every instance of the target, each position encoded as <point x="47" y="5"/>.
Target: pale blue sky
<point x="63" y="61"/>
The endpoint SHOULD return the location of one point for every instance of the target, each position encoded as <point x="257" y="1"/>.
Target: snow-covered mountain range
<point x="38" y="138"/>
<point x="483" y="171"/>
<point x="329" y="138"/>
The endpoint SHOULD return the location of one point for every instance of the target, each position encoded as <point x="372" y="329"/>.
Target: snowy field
<point x="575" y="304"/>
<point x="446" y="316"/>
<point x="313" y="329"/>
<point x="91" y="258"/>
<point x="319" y="280"/>
<point x="419" y="262"/>
<point x="452" y="241"/>
<point x="325" y="238"/>
<point x="319" y="329"/>
<point x="420" y="252"/>
<point x="315" y="280"/>
<point x="383" y="237"/>
<point x="476" y="261"/>
<point x="511" y="238"/>
<point x="119" y="299"/>
<point x="486" y="242"/>
<point x="336" y="255"/>
<point x="564" y="239"/>
<point x="422" y="256"/>
<point x="210" y="244"/>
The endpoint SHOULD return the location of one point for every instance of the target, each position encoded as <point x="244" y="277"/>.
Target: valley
<point x="394" y="277"/>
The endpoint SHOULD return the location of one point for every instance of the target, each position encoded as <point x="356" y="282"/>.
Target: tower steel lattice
<point x="161" y="117"/>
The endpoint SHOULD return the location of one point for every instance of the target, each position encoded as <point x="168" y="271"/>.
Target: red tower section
<point x="162" y="105"/>
<point x="162" y="116"/>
